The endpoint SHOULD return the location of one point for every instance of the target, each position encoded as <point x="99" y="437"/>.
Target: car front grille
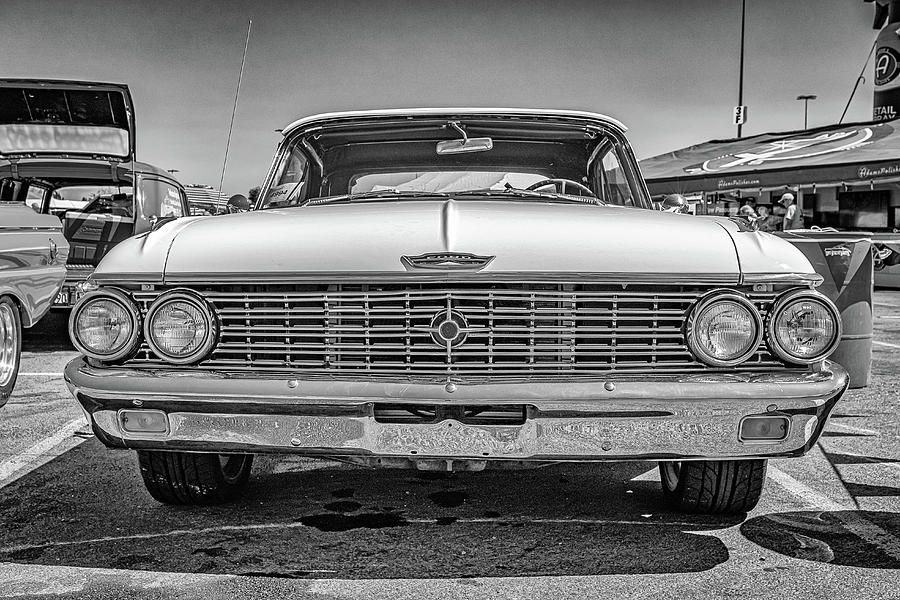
<point x="533" y="330"/>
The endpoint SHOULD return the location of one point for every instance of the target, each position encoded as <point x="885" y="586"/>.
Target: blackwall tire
<point x="713" y="486"/>
<point x="194" y="477"/>
<point x="10" y="347"/>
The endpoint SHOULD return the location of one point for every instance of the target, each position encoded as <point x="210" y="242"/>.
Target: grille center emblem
<point x="449" y="328"/>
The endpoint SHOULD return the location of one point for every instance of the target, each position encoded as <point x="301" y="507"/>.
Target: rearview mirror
<point x="466" y="145"/>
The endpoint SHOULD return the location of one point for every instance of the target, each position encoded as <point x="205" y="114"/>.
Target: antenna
<point x="859" y="79"/>
<point x="234" y="108"/>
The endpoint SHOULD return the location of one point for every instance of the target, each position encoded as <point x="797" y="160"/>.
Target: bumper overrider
<point x="618" y="417"/>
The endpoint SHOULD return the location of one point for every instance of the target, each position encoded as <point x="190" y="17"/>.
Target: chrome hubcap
<point x="9" y="342"/>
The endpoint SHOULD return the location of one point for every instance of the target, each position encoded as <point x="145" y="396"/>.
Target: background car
<point x="33" y="255"/>
<point x="67" y="149"/>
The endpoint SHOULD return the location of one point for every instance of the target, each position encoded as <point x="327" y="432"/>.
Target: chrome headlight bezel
<point x="212" y="326"/>
<point x="122" y="299"/>
<point x="782" y="303"/>
<point x="696" y="348"/>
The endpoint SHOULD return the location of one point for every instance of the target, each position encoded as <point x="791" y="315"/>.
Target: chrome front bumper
<point x="619" y="417"/>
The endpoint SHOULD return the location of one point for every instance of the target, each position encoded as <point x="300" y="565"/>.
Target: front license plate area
<point x="452" y="438"/>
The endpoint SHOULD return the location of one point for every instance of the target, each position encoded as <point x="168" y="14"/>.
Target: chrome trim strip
<point x="437" y="113"/>
<point x="810" y="279"/>
<point x="14" y="228"/>
<point x="117" y="383"/>
<point x="202" y="278"/>
<point x="624" y="279"/>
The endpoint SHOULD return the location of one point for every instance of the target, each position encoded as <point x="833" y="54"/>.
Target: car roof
<point x="363" y="116"/>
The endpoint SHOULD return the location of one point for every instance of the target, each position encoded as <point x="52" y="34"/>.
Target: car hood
<point x="59" y="118"/>
<point x="507" y="236"/>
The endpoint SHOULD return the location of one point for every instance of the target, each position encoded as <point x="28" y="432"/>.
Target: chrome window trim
<point x="124" y="300"/>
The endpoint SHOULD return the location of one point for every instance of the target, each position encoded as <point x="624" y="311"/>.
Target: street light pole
<point x="741" y="76"/>
<point x="806" y="98"/>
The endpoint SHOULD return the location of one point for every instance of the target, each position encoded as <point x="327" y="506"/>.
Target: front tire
<point x="10" y="347"/>
<point x="713" y="486"/>
<point x="193" y="477"/>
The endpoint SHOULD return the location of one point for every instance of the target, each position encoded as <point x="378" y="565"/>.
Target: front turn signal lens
<point x="764" y="428"/>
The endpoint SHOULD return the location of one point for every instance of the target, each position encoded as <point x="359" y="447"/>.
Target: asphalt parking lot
<point x="75" y="519"/>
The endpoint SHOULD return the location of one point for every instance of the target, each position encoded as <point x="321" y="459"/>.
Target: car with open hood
<point x="448" y="289"/>
<point x="67" y="148"/>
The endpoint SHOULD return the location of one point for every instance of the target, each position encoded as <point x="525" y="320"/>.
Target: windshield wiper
<point x="375" y="195"/>
<point x="520" y="193"/>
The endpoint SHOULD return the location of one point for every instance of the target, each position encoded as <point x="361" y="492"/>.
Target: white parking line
<point x="847" y="515"/>
<point x="300" y="525"/>
<point x="888" y="304"/>
<point x="60" y="442"/>
<point x="851" y="428"/>
<point x="886" y="344"/>
<point x="40" y="374"/>
<point x="804" y="493"/>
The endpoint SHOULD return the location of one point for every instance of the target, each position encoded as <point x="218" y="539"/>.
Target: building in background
<point x="842" y="176"/>
<point x="205" y="199"/>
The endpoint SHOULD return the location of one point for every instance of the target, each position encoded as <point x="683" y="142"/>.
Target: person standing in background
<point x="748" y="209"/>
<point x="766" y="221"/>
<point x="793" y="217"/>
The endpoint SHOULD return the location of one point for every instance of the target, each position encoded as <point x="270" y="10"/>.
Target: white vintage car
<point x="33" y="255"/>
<point x="445" y="289"/>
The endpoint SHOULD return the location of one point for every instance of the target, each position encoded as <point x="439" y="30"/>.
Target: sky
<point x="667" y="68"/>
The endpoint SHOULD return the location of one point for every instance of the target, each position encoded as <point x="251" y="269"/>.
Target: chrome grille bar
<point x="531" y="330"/>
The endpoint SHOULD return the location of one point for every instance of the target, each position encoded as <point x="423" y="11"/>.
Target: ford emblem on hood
<point x="446" y="261"/>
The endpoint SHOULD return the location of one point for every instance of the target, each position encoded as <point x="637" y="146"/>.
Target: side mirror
<point x="157" y="222"/>
<point x="238" y="203"/>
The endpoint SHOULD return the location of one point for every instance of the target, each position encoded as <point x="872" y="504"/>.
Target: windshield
<point x="97" y="199"/>
<point x="511" y="161"/>
<point x="442" y="181"/>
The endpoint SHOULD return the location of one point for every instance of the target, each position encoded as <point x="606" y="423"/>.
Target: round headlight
<point x="105" y="325"/>
<point x="724" y="330"/>
<point x="180" y="327"/>
<point x="804" y="327"/>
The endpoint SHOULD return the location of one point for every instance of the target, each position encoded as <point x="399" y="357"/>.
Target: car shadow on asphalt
<point x="50" y="334"/>
<point x="307" y="519"/>
<point x="837" y="537"/>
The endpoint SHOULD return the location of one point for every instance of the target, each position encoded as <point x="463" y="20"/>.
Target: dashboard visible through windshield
<point x="413" y="160"/>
